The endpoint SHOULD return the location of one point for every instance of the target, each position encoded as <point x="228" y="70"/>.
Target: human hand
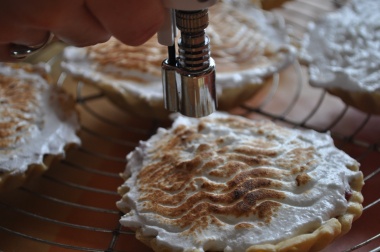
<point x="77" y="22"/>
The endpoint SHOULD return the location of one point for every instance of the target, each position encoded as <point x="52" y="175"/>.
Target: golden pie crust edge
<point x="155" y="109"/>
<point x="128" y="101"/>
<point x="328" y="232"/>
<point x="365" y="101"/>
<point x="10" y="181"/>
<point x="311" y="242"/>
<point x="368" y="102"/>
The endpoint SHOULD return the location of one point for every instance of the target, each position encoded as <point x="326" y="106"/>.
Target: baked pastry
<point x="343" y="54"/>
<point x="38" y="122"/>
<point x="228" y="183"/>
<point x="248" y="46"/>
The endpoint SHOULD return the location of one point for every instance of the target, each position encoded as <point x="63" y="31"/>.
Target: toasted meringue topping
<point x="225" y="183"/>
<point x="245" y="46"/>
<point x="146" y="58"/>
<point x="240" y="41"/>
<point x="35" y="117"/>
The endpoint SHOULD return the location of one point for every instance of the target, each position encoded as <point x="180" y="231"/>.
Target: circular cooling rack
<point x="72" y="206"/>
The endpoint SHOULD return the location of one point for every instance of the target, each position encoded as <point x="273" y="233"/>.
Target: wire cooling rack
<point x="72" y="206"/>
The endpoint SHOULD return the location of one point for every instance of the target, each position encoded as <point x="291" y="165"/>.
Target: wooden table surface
<point x="72" y="206"/>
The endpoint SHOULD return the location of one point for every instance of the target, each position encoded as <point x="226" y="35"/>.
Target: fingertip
<point x="145" y="29"/>
<point x="133" y="23"/>
<point x="140" y="37"/>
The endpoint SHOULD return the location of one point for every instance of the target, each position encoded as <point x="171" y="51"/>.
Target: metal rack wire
<point x="72" y="206"/>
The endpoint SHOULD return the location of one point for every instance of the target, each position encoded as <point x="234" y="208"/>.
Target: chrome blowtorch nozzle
<point x="189" y="79"/>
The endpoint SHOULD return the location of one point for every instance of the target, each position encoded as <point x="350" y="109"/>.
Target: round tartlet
<point x="248" y="46"/>
<point x="342" y="52"/>
<point x="228" y="183"/>
<point x="38" y="122"/>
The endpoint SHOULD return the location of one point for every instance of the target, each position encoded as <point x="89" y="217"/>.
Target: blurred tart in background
<point x="38" y="123"/>
<point x="248" y="46"/>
